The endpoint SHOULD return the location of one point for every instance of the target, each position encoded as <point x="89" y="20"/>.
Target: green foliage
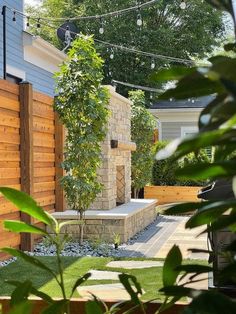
<point x="217" y="129"/>
<point x="166" y="30"/>
<point x="24" y="290"/>
<point x="142" y="131"/>
<point x="165" y="172"/>
<point x="82" y="107"/>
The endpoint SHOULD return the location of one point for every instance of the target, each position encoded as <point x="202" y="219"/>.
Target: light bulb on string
<point x="101" y="29"/>
<point x="151" y="96"/>
<point x="153" y="64"/>
<point x="139" y="19"/>
<point x="28" y="22"/>
<point x="112" y="54"/>
<point x="38" y="23"/>
<point x="183" y="5"/>
<point x="14" y="16"/>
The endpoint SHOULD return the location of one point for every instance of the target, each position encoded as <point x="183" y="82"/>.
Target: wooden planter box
<point x="172" y="194"/>
<point x="77" y="306"/>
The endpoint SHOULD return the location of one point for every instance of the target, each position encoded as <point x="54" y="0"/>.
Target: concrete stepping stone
<point x="112" y="292"/>
<point x="103" y="275"/>
<point x="135" y="264"/>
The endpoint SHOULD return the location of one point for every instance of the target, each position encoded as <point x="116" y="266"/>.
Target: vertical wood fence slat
<point x="59" y="144"/>
<point x="26" y="154"/>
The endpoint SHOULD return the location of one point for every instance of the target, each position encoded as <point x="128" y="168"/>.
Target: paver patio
<point x="158" y="239"/>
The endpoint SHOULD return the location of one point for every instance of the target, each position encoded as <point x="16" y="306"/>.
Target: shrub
<point x="163" y="172"/>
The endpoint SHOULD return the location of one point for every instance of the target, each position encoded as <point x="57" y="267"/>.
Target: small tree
<point x="142" y="130"/>
<point x="82" y="108"/>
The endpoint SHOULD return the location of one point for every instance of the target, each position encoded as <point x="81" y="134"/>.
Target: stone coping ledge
<point x="120" y="212"/>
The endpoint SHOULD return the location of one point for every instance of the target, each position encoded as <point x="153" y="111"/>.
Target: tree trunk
<point x="81" y="233"/>
<point x="136" y="193"/>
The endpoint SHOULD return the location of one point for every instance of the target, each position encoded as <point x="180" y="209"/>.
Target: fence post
<point x="59" y="151"/>
<point x="26" y="153"/>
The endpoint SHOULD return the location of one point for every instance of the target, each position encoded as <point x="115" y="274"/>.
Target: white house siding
<point x="172" y="130"/>
<point x="42" y="80"/>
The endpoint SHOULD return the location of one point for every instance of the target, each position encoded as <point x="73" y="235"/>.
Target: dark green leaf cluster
<point x="82" y="107"/>
<point x="165" y="172"/>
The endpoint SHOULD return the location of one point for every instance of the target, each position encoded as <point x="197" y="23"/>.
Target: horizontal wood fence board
<point x="9" y="239"/>
<point x="172" y="194"/>
<point x="9" y="164"/>
<point x="9" y="182"/>
<point x="44" y="186"/>
<point x="44" y="157"/>
<point x="40" y="149"/>
<point x="43" y="126"/>
<point x="44" y="201"/>
<point x="10" y="173"/>
<point x="43" y="111"/>
<point x="6" y="147"/>
<point x="44" y="140"/>
<point x="9" y="103"/>
<point x="44" y="179"/>
<point x="39" y="97"/>
<point x="44" y="164"/>
<point x="9" y="120"/>
<point x="9" y="156"/>
<point x="7" y="86"/>
<point x="44" y="172"/>
<point x="9" y="129"/>
<point x="9" y="113"/>
<point x="9" y="138"/>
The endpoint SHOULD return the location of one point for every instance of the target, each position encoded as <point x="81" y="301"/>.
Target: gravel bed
<point x="89" y="248"/>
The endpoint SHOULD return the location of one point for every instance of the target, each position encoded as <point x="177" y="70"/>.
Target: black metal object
<point x="4" y="41"/>
<point x="218" y="190"/>
<point x="114" y="143"/>
<point x="220" y="239"/>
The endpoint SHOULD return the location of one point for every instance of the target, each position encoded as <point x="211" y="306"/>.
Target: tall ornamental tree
<point x="166" y="29"/>
<point x="142" y="130"/>
<point x="82" y="107"/>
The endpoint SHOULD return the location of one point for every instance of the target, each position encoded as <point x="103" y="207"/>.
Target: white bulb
<point x="101" y="30"/>
<point x="112" y="56"/>
<point x="139" y="20"/>
<point x="153" y="65"/>
<point x="183" y="5"/>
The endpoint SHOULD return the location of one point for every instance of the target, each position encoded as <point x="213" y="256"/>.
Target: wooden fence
<point x="172" y="194"/>
<point x="31" y="150"/>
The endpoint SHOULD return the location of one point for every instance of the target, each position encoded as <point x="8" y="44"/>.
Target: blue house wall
<point x="41" y="79"/>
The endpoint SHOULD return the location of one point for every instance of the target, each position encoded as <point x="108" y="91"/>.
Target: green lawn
<point x="150" y="278"/>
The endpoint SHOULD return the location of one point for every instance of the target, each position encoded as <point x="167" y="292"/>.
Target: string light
<point x="139" y="18"/>
<point x="183" y="5"/>
<point x="38" y="24"/>
<point x="144" y="88"/>
<point x="14" y="16"/>
<point x="28" y="22"/>
<point x="96" y="17"/>
<point x="101" y="29"/>
<point x="112" y="54"/>
<point x="153" y="65"/>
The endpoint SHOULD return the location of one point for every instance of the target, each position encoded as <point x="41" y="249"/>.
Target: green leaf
<point x="184" y="208"/>
<point x="56" y="307"/>
<point x="177" y="291"/>
<point x="33" y="291"/>
<point x="93" y="307"/>
<point x="205" y="171"/>
<point x="173" y="260"/>
<point x="209" y="213"/>
<point x="22" y="308"/>
<point x="21" y="293"/>
<point x="79" y="281"/>
<point x="172" y="74"/>
<point x="226" y="5"/>
<point x="30" y="259"/>
<point x="125" y="280"/>
<point x="27" y="205"/>
<point x="194" y="85"/>
<point x="70" y="222"/>
<point x="211" y="302"/>
<point x="19" y="226"/>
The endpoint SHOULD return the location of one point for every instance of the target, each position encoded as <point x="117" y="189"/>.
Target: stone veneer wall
<point x="119" y="125"/>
